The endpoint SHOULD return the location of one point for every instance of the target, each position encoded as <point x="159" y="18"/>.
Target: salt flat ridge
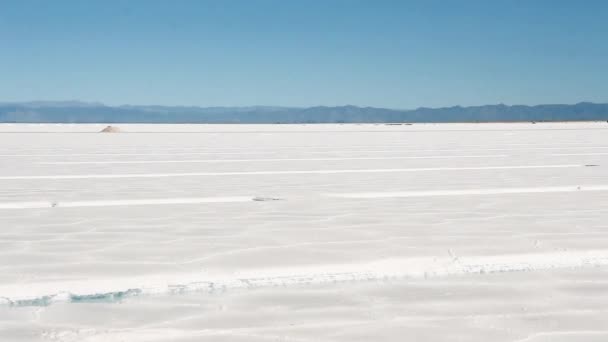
<point x="395" y="269"/>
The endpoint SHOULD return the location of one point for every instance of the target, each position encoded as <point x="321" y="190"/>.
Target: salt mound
<point x="111" y="129"/>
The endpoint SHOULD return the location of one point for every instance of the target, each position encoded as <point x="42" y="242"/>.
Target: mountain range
<point x="93" y="112"/>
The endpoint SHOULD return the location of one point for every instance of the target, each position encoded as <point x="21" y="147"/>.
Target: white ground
<point x="460" y="232"/>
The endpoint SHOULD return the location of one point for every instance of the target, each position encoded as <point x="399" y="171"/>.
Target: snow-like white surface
<point x="464" y="232"/>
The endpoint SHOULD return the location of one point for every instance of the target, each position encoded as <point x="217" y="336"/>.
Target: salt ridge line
<point x="295" y="172"/>
<point x="113" y="203"/>
<point x="464" y="192"/>
<point x="127" y="149"/>
<point x="307" y="152"/>
<point x="268" y="150"/>
<point x="396" y="268"/>
<point x="580" y="154"/>
<point x="262" y="160"/>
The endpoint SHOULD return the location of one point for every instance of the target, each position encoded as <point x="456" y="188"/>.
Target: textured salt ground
<point x="560" y="305"/>
<point x="68" y="244"/>
<point x="306" y="230"/>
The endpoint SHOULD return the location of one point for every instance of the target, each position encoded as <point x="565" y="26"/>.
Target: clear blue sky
<point x="399" y="54"/>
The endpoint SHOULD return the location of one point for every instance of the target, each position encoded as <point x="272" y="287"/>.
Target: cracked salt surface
<point x="118" y="289"/>
<point x="352" y="245"/>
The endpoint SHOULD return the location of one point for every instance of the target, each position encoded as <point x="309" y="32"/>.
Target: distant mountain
<point x="84" y="112"/>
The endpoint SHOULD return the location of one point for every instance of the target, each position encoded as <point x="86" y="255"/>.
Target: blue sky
<point x="399" y="54"/>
